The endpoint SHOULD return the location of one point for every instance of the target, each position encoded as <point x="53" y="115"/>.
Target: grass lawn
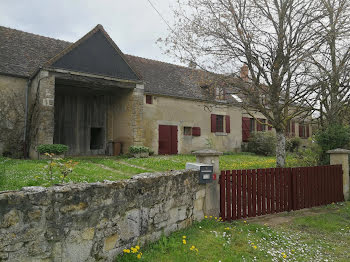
<point x="15" y="173"/>
<point x="317" y="234"/>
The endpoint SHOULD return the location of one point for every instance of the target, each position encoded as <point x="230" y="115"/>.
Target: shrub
<point x="56" y="149"/>
<point x="138" y="149"/>
<point x="262" y="143"/>
<point x="334" y="136"/>
<point x="309" y="156"/>
<point x="293" y="144"/>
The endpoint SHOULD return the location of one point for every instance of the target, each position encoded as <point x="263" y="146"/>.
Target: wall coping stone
<point x="338" y="151"/>
<point x="207" y="152"/>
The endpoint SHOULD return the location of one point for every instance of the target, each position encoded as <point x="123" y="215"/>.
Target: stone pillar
<point x="212" y="190"/>
<point x="42" y="110"/>
<point x="341" y="157"/>
<point x="137" y="115"/>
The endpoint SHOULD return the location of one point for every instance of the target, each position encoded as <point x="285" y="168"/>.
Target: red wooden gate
<point x="167" y="140"/>
<point x="249" y="193"/>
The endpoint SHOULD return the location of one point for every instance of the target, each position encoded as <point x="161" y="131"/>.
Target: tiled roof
<point x="21" y="53"/>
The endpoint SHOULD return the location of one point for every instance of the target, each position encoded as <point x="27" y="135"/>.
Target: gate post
<point x="212" y="190"/>
<point x="341" y="157"/>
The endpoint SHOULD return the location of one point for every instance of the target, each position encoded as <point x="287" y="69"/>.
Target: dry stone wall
<point x="95" y="222"/>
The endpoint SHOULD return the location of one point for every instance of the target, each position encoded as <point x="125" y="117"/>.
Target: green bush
<point x="293" y="144"/>
<point x="309" y="156"/>
<point x="56" y="149"/>
<point x="335" y="136"/>
<point x="262" y="143"/>
<point x="138" y="149"/>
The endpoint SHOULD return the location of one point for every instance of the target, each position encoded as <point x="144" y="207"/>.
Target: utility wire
<point x="166" y="22"/>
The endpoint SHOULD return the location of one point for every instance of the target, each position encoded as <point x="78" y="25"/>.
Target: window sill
<point x="220" y="134"/>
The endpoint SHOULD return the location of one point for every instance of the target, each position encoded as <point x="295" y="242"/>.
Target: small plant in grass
<point x="57" y="149"/>
<point x="58" y="167"/>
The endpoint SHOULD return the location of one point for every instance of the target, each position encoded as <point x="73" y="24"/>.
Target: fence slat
<point x="268" y="190"/>
<point x="249" y="192"/>
<point x="273" y="176"/>
<point x="228" y="195"/>
<point x="222" y="195"/>
<point x="239" y="194"/>
<point x="254" y="189"/>
<point x="282" y="208"/>
<point x="259" y="192"/>
<point x="263" y="191"/>
<point x="244" y="192"/>
<point x="234" y="194"/>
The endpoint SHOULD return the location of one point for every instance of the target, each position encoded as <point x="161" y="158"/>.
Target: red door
<point x="167" y="140"/>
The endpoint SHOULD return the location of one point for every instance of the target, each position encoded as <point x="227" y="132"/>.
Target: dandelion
<point x="137" y="247"/>
<point x="245" y="222"/>
<point x="183" y="236"/>
<point x="126" y="250"/>
<point x="215" y="218"/>
<point x="139" y="256"/>
<point x="134" y="250"/>
<point x="184" y="241"/>
<point x="205" y="216"/>
<point x="211" y="217"/>
<point x="255" y="247"/>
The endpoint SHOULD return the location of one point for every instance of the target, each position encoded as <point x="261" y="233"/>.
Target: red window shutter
<point x="148" y="99"/>
<point x="227" y="124"/>
<point x="307" y="131"/>
<point x="245" y="128"/>
<point x="213" y="123"/>
<point x="196" y="131"/>
<point x="300" y="130"/>
<point x="293" y="128"/>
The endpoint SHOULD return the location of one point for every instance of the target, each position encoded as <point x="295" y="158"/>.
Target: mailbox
<point x="205" y="171"/>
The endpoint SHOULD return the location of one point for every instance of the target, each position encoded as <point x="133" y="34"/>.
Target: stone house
<point x="88" y="94"/>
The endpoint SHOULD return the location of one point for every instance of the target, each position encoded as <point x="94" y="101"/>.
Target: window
<point x="252" y="125"/>
<point x="149" y="99"/>
<point x="219" y="123"/>
<point x="304" y="131"/>
<point x="187" y="131"/>
<point x="96" y="138"/>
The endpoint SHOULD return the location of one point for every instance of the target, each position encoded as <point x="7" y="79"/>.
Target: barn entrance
<point x="167" y="140"/>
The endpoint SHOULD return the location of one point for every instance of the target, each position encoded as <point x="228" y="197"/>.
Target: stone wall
<point x="95" y="222"/>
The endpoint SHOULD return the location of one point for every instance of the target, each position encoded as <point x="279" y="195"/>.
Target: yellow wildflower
<point x="205" y="216"/>
<point x="255" y="247"/>
<point x="211" y="217"/>
<point x="183" y="236"/>
<point x="184" y="241"/>
<point x="137" y="247"/>
<point x="126" y="250"/>
<point x="284" y="256"/>
<point x="215" y="217"/>
<point x="134" y="250"/>
<point x="139" y="256"/>
<point x="245" y="221"/>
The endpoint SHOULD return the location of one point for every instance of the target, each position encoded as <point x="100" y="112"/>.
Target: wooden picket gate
<point x="250" y="193"/>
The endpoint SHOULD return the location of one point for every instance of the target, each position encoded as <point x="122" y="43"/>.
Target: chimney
<point x="244" y="73"/>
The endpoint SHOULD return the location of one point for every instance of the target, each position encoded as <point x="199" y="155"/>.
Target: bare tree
<point x="272" y="38"/>
<point x="332" y="61"/>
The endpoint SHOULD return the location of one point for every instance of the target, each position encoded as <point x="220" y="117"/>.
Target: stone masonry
<point x="95" y="222"/>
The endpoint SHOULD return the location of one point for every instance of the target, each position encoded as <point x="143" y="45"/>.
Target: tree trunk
<point x="280" y="149"/>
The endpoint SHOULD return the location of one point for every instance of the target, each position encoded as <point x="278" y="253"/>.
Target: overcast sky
<point x="132" y="24"/>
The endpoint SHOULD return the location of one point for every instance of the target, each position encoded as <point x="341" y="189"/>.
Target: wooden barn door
<point x="167" y="143"/>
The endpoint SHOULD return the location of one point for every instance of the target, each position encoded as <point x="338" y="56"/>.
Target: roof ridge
<point x="6" y="27"/>
<point x="158" y="61"/>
